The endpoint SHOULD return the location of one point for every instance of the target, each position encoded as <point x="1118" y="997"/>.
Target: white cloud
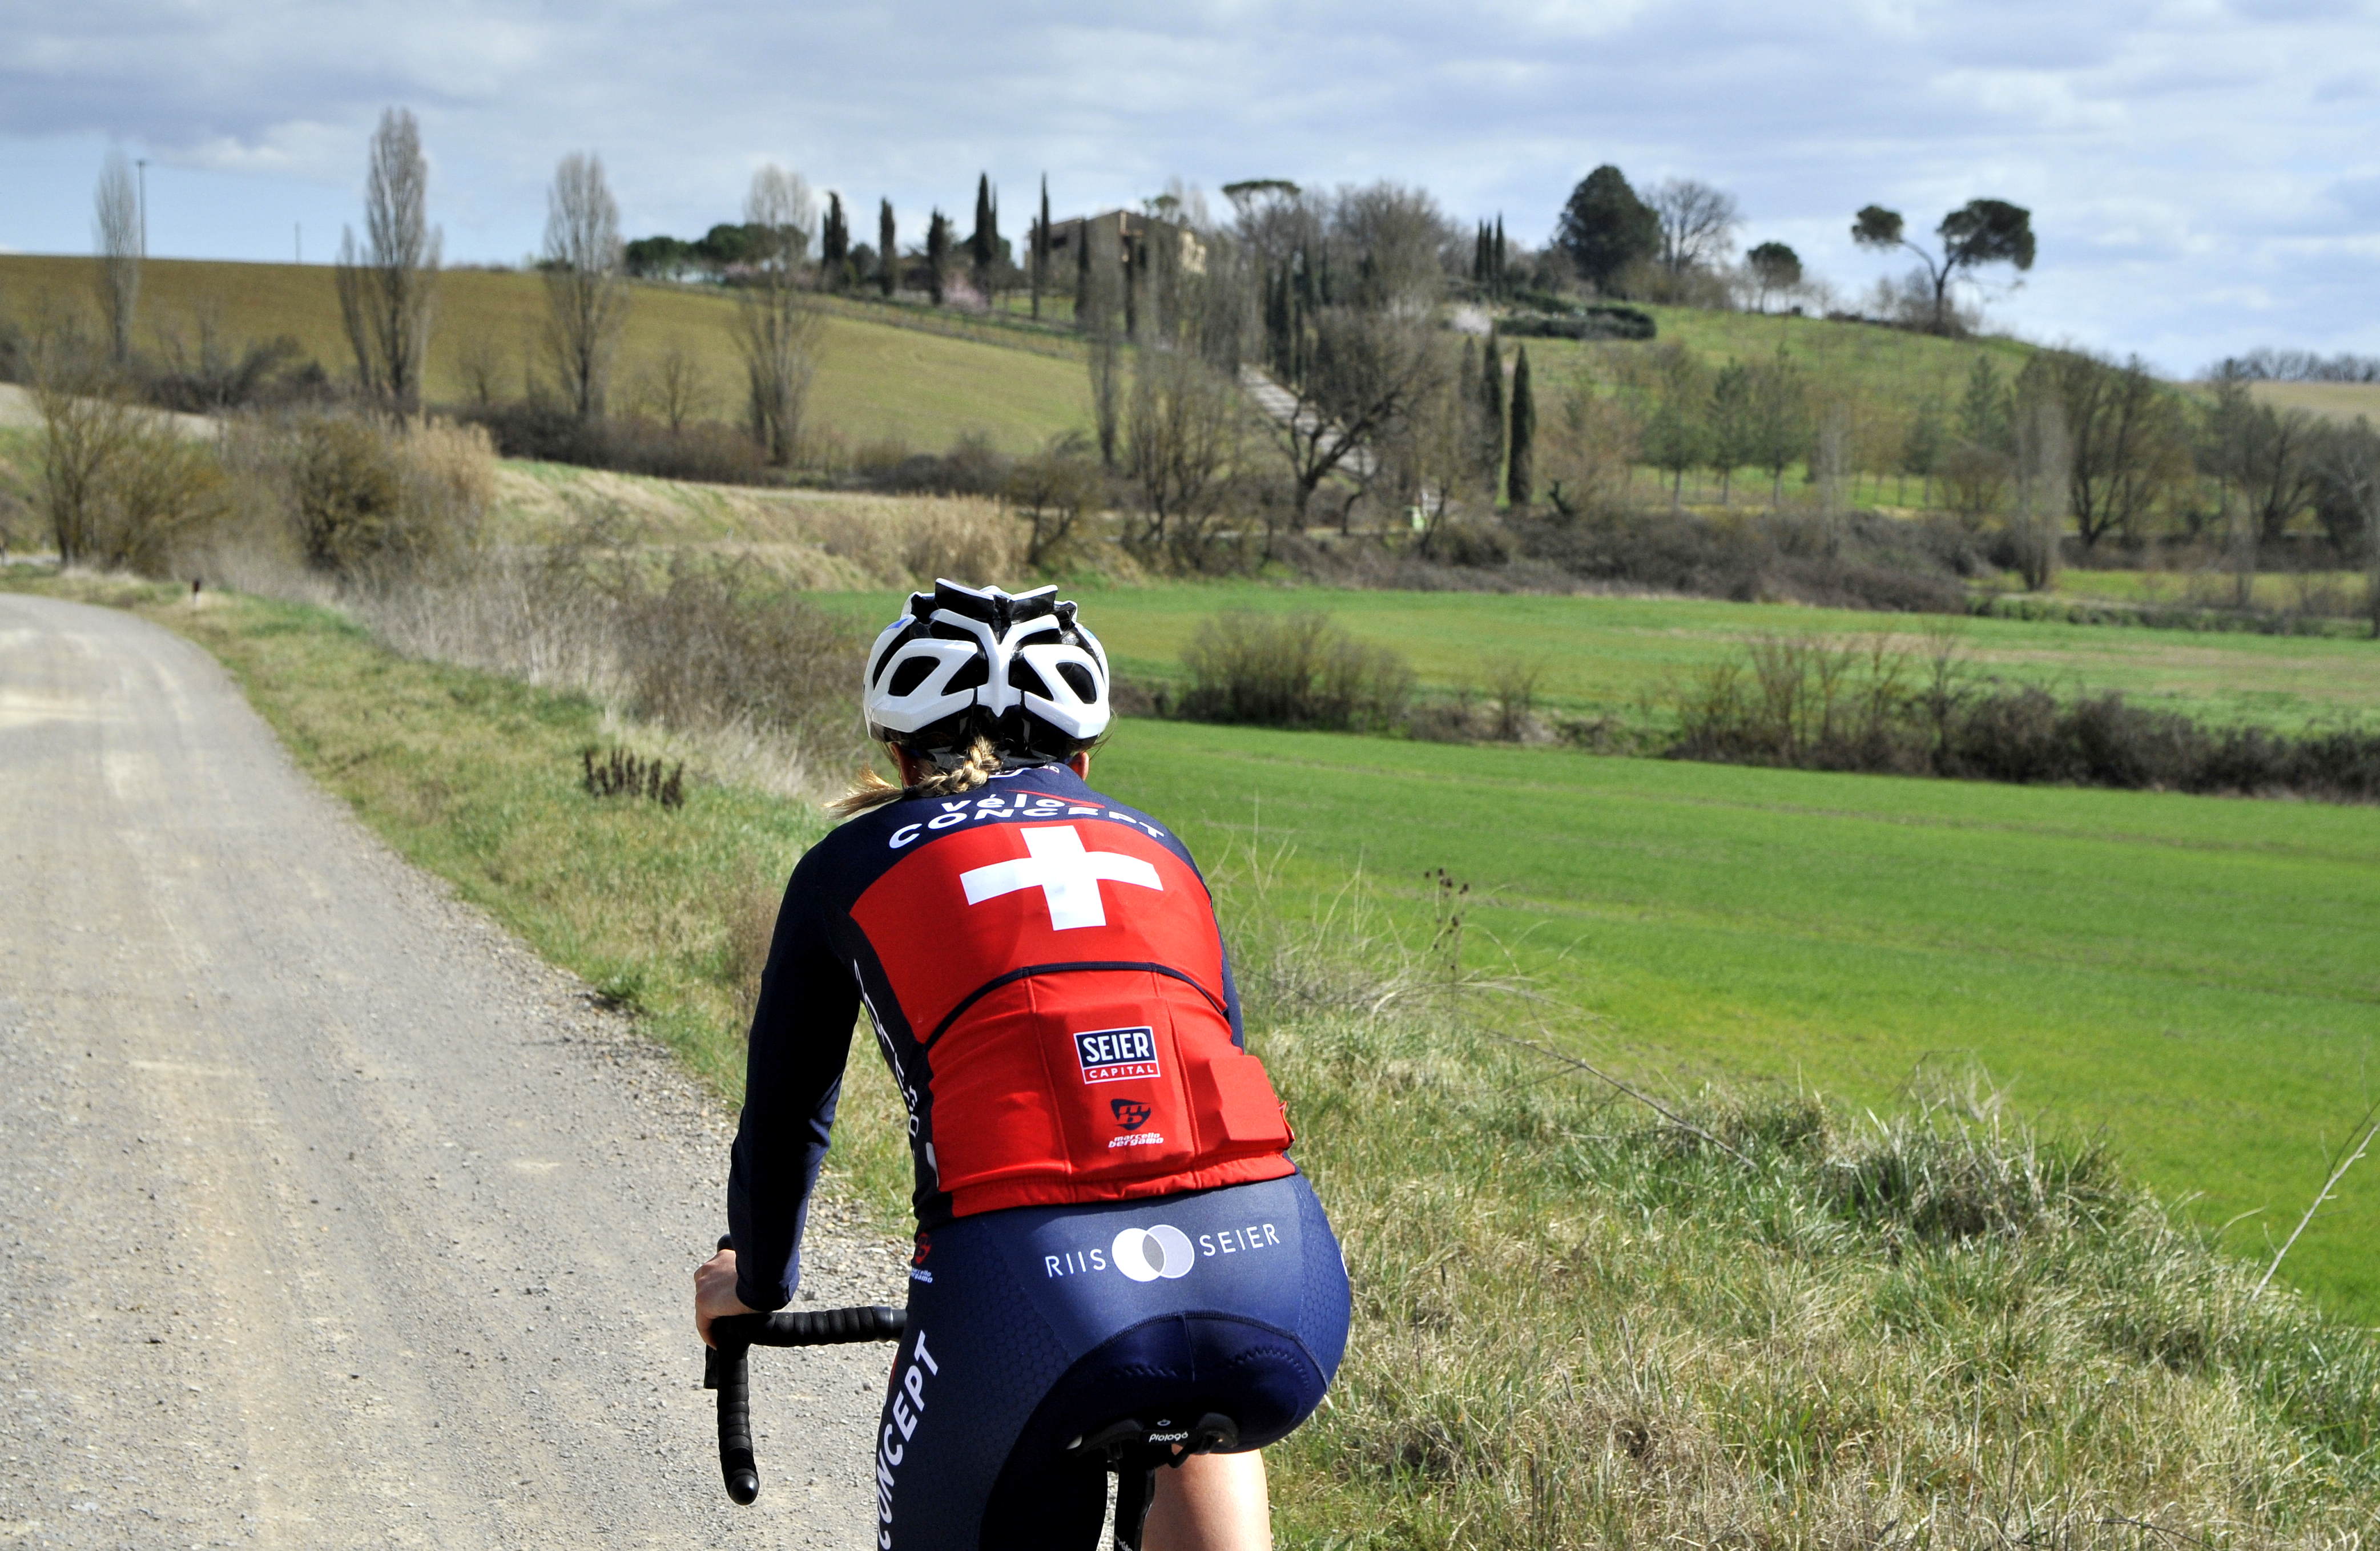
<point x="2197" y="170"/>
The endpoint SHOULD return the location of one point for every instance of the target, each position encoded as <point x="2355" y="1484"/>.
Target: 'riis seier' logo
<point x="1116" y="1055"/>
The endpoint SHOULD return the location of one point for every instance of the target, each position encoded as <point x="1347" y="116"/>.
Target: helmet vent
<point x="909" y="675"/>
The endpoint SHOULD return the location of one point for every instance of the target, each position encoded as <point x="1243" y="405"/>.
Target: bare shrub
<point x="1294" y="670"/>
<point x="121" y="486"/>
<point x="1880" y="703"/>
<point x="361" y="499"/>
<point x="1049" y="492"/>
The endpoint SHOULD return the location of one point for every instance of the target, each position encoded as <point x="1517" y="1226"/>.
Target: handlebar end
<point x="743" y="1486"/>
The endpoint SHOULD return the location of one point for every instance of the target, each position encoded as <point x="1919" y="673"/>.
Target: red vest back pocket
<point x="1067" y="1086"/>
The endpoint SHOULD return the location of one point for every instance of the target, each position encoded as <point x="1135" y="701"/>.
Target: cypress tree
<point x="981" y="246"/>
<point x="937" y="253"/>
<point x="1521" y="484"/>
<point x="1041" y="248"/>
<point x="1491" y="415"/>
<point x="834" y="243"/>
<point x="888" y="257"/>
<point x="1496" y="259"/>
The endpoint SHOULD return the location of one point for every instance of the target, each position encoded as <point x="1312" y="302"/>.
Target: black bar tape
<point x="812" y="1326"/>
<point x="737" y="1466"/>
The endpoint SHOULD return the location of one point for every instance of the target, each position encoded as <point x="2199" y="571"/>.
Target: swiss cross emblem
<point x="1069" y="875"/>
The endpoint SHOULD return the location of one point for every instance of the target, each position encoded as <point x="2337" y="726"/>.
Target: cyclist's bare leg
<point x="1211" y="1502"/>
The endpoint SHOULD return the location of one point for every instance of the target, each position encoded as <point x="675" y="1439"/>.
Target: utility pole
<point x="143" y="164"/>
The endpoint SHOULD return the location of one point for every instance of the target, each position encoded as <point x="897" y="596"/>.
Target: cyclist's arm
<point x="801" y="1036"/>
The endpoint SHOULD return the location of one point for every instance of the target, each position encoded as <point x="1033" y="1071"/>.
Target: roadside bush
<point x="365" y="501"/>
<point x="1293" y="670"/>
<point x="121" y="487"/>
<point x="712" y="644"/>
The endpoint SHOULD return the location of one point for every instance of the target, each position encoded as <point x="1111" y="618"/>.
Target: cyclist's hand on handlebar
<point x="715" y="1294"/>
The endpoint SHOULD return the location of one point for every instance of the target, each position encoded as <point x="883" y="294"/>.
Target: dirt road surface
<point x="329" y="1216"/>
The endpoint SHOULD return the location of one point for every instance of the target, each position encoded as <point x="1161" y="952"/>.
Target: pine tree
<point x="1521" y="483"/>
<point x="888" y="257"/>
<point x="1491" y="415"/>
<point x="937" y="254"/>
<point x="1041" y="248"/>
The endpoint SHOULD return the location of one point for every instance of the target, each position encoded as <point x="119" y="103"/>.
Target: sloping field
<point x="1892" y="367"/>
<point x="2332" y="401"/>
<point x="2194" y="974"/>
<point x="875" y="379"/>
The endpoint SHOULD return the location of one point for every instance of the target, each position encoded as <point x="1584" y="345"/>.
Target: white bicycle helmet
<point x="966" y="662"/>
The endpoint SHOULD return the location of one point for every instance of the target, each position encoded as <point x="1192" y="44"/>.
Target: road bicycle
<point x="1131" y="1448"/>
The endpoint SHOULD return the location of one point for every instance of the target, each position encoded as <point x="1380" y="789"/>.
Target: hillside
<point x="875" y="379"/>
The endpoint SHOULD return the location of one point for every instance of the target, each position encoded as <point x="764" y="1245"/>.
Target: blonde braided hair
<point x="979" y="764"/>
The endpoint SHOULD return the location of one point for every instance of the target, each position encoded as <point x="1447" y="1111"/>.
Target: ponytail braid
<point x="976" y="766"/>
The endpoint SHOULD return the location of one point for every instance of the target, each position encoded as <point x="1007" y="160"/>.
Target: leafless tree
<point x="1426" y="467"/>
<point x="482" y="366"/>
<point x="586" y="297"/>
<point x="1050" y="490"/>
<point x="1389" y="238"/>
<point x="2044" y="461"/>
<point x="1183" y="438"/>
<point x="387" y="283"/>
<point x="777" y="324"/>
<point x="115" y="228"/>
<point x="1368" y="370"/>
<point x="2350" y="461"/>
<point x="1698" y="224"/>
<point x="675" y="386"/>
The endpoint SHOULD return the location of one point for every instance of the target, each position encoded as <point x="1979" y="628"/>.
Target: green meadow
<point x="1603" y="656"/>
<point x="2196" y="976"/>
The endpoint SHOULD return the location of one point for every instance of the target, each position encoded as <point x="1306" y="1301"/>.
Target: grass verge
<point x="1577" y="1324"/>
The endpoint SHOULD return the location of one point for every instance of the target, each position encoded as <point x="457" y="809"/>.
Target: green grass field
<point x="2194" y="974"/>
<point x="1600" y="654"/>
<point x="875" y="380"/>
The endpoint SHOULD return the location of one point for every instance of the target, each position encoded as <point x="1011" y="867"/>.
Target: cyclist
<point x="1109" y="1224"/>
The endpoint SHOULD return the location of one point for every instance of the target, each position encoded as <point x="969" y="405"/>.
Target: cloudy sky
<point x="2204" y="176"/>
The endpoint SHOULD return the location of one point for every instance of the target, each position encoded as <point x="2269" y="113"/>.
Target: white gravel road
<point x="329" y="1216"/>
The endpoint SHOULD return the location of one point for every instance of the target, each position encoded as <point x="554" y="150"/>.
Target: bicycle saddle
<point x="1135" y="1449"/>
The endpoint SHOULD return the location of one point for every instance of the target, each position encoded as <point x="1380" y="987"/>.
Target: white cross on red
<point x="1067" y="874"/>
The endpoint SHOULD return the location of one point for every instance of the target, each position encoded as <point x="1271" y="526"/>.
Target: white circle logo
<point x="1147" y="1253"/>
